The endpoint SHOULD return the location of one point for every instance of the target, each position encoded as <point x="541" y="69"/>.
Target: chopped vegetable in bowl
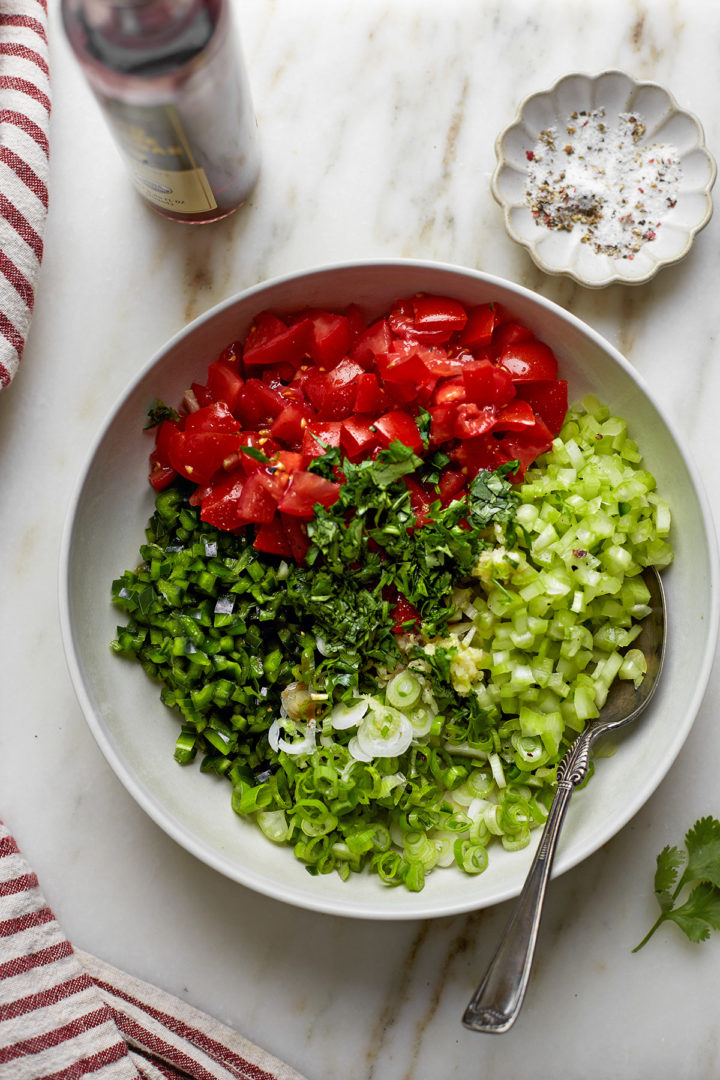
<point x="385" y="626"/>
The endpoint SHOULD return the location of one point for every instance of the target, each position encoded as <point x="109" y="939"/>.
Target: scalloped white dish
<point x="595" y="197"/>
<point x="137" y="733"/>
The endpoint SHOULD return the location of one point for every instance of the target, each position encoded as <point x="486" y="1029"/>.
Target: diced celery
<point x="634" y="666"/>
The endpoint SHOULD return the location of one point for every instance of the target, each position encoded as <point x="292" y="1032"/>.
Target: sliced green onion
<point x="470" y="857"/>
<point x="403" y="690"/>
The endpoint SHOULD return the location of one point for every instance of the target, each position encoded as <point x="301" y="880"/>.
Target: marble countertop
<point x="378" y="120"/>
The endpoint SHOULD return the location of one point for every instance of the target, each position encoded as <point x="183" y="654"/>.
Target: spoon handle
<point x="498" y="999"/>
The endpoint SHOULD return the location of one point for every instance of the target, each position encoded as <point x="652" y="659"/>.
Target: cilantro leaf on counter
<point x="699" y="913"/>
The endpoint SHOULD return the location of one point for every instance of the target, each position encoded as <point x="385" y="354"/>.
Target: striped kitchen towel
<point x="24" y="147"/>
<point x="65" y="1015"/>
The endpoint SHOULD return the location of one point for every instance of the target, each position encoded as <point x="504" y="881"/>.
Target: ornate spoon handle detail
<point x="499" y="997"/>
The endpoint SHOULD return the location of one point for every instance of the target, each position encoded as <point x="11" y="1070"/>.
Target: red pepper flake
<point x="529" y="155"/>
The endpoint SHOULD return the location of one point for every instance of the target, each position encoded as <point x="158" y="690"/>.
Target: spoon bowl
<point x="498" y="999"/>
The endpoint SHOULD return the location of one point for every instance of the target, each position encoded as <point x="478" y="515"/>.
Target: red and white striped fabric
<point x="24" y="148"/>
<point x="65" y="1015"/>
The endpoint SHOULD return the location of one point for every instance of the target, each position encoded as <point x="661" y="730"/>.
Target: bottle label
<point x="159" y="157"/>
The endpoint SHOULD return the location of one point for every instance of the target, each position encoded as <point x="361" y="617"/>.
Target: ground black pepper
<point x="605" y="182"/>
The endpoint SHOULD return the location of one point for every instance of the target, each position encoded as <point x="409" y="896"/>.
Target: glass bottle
<point x="171" y="81"/>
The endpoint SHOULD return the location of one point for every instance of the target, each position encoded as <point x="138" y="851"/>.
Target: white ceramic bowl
<point x="564" y="252"/>
<point x="137" y="734"/>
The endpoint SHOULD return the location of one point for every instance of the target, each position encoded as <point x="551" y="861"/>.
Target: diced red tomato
<point x="321" y="379"/>
<point x="481" y="322"/>
<point x="277" y="375"/>
<point x="403" y="325"/>
<point x="442" y="424"/>
<point x="529" y="361"/>
<point x="270" y="341"/>
<point x="252" y="440"/>
<point x="450" y="391"/>
<point x="160" y="476"/>
<point x="442" y="364"/>
<point x="439" y="313"/>
<point x="224" y="383"/>
<point x="399" y="425"/>
<point x="259" y="403"/>
<point x="370" y="397"/>
<point x="265" y="327"/>
<point x="272" y="538"/>
<point x="219" y="504"/>
<point x="304" y="491"/>
<point x="163" y="435"/>
<point x="420" y="501"/>
<point x="297" y="536"/>
<point x="203" y="396"/>
<point x="482" y="452"/>
<point x="510" y="333"/>
<point x="161" y="471"/>
<point x="261" y="494"/>
<point x="472" y="420"/>
<point x="330" y="338"/>
<point x="451" y="485"/>
<point x="288" y="460"/>
<point x="332" y="394"/>
<point x="548" y="400"/>
<point x="358" y="436"/>
<point x="487" y="384"/>
<point x="356" y="322"/>
<point x="289" y="424"/>
<point x="527" y="445"/>
<point x="404" y="365"/>
<point x="198" y="455"/>
<point x="431" y="319"/>
<point x="214" y="417"/>
<point x="318" y="436"/>
<point x="377" y="339"/>
<point x="232" y="355"/>
<point x="405" y="615"/>
<point x="518" y="416"/>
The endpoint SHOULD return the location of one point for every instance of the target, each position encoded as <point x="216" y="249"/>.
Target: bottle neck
<point x="141" y="38"/>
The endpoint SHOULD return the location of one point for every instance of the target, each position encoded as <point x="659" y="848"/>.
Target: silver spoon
<point x="498" y="999"/>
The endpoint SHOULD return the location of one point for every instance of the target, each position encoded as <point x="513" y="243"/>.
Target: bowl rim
<point x="416" y="908"/>
<point x="531" y="248"/>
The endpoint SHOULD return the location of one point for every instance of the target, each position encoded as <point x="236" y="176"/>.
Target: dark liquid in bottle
<point x="171" y="81"/>
<point x="149" y="39"/>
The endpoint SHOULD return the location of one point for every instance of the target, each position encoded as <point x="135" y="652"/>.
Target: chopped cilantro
<point x="253" y="452"/>
<point x="368" y="537"/>
<point x="423" y="421"/>
<point x="159" y="412"/>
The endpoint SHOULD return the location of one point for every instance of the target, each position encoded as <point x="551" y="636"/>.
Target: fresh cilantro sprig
<point x="699" y="882"/>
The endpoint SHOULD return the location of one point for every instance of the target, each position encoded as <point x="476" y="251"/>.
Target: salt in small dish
<point x="604" y="179"/>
